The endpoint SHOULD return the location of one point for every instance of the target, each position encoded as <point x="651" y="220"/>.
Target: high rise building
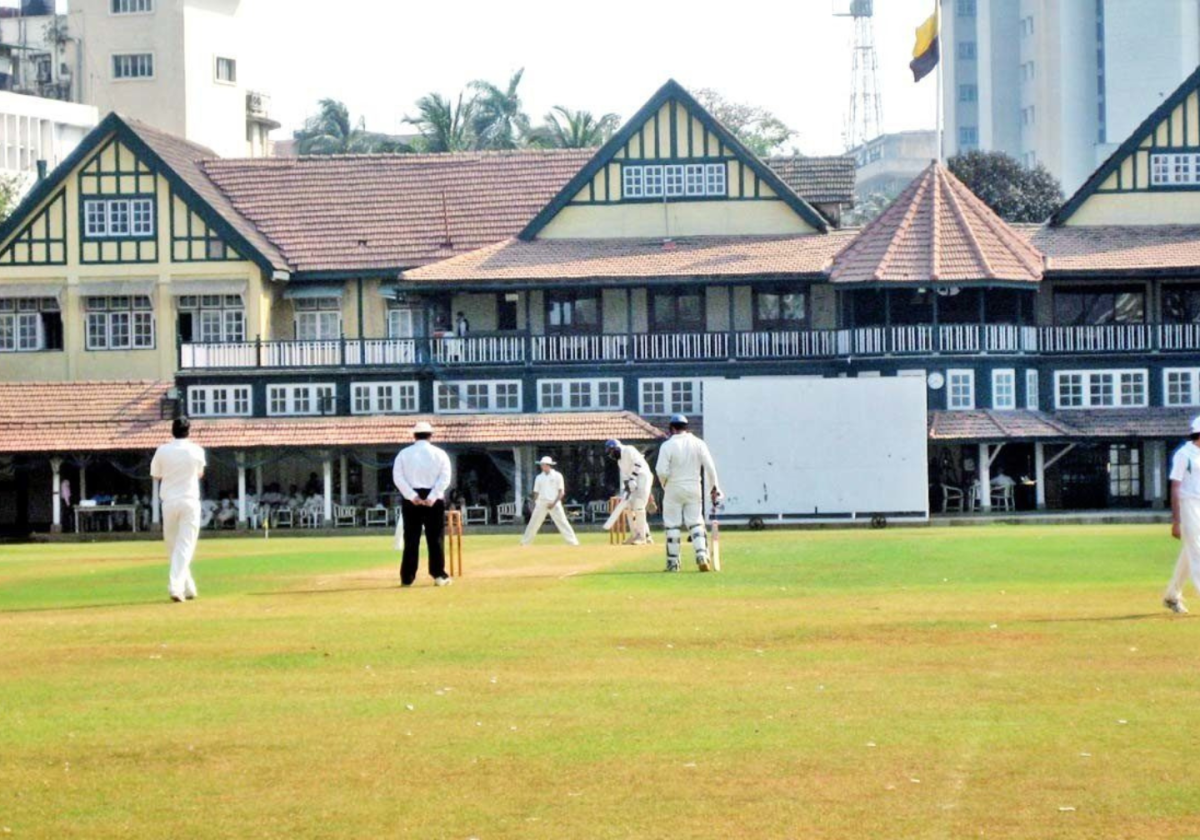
<point x="1060" y="82"/>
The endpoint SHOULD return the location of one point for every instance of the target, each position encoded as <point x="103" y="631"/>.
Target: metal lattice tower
<point x="864" y="120"/>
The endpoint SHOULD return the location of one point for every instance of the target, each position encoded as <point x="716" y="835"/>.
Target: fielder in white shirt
<point x="636" y="483"/>
<point x="684" y="463"/>
<point x="179" y="466"/>
<point x="422" y="475"/>
<point x="1185" y="518"/>
<point x="549" y="489"/>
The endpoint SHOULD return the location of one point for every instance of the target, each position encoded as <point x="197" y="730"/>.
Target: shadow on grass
<point x="163" y="602"/>
<point x="1089" y="619"/>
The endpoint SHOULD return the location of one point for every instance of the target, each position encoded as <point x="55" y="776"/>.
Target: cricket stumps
<point x="620" y="529"/>
<point x="452" y="543"/>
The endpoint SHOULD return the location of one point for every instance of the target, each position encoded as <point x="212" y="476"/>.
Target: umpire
<point x="422" y="475"/>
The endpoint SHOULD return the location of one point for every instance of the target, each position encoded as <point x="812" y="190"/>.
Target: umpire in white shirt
<point x="549" y="490"/>
<point x="179" y="466"/>
<point x="422" y="475"/>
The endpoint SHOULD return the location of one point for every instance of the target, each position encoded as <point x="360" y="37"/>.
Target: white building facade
<point x="33" y="128"/>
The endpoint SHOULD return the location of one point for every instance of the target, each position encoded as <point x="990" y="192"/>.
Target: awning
<point x="208" y="287"/>
<point x="308" y="291"/>
<point x="116" y="288"/>
<point x="32" y="290"/>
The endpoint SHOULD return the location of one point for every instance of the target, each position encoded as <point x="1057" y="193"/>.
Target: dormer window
<point x="1173" y="170"/>
<point x="673" y="180"/>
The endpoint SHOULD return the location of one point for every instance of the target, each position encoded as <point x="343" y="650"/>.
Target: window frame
<point x="135" y="60"/>
<point x="999" y="374"/>
<point x="1033" y="396"/>
<point x="671" y="401"/>
<point x="557" y="298"/>
<point x="675" y="323"/>
<point x="367" y="398"/>
<point x="967" y="403"/>
<point x="231" y="63"/>
<point x="291" y="395"/>
<point x="203" y="396"/>
<point x="114" y="7"/>
<point x="128" y="321"/>
<point x="1095" y="383"/>
<point x="780" y="324"/>
<point x="568" y="389"/>
<point x="478" y="396"/>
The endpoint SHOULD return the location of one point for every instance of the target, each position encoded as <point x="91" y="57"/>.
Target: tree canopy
<point x="1015" y="192"/>
<point x="444" y="126"/>
<point x="497" y="117"/>
<point x="759" y="130"/>
<point x="563" y="128"/>
<point x="10" y="194"/>
<point x="330" y="131"/>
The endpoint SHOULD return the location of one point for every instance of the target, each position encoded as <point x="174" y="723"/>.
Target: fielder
<point x="179" y="466"/>
<point x="549" y="489"/>
<point x="636" y="483"/>
<point x="1185" y="518"/>
<point x="683" y="464"/>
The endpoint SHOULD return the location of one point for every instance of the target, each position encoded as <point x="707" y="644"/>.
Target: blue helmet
<point x="612" y="448"/>
<point x="679" y="420"/>
<point x="612" y="443"/>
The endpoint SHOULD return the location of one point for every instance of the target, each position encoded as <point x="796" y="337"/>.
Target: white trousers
<point x="1189" y="552"/>
<point x="639" y="525"/>
<point x="181" y="531"/>
<point x="557" y="515"/>
<point x="682" y="506"/>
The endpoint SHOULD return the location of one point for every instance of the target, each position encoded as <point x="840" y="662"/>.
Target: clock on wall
<point x="936" y="380"/>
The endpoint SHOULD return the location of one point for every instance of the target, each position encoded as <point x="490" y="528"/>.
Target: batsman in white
<point x="549" y="490"/>
<point x="684" y="463"/>
<point x="636" y="483"/>
<point x="179" y="466"/>
<point x="1185" y="518"/>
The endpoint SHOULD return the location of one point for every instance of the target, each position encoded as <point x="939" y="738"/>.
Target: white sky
<point x="379" y="56"/>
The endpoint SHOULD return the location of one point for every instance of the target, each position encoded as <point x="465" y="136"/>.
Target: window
<point x="212" y="318"/>
<point x="301" y="399"/>
<point x="1027" y="26"/>
<point x="960" y="390"/>
<point x="1181" y="304"/>
<point x="133" y="66"/>
<point x="780" y="309"/>
<point x="1027" y="115"/>
<point x="1180" y="386"/>
<point x="1174" y="170"/>
<point x="652" y="181"/>
<point x="965" y="8"/>
<point x="118" y="218"/>
<point x="631" y="184"/>
<point x="966" y="51"/>
<point x="28" y="325"/>
<point x="132" y="7"/>
<point x="1004" y="390"/>
<point x="1124" y="471"/>
<point x="579" y="394"/>
<point x="1100" y="389"/>
<point x="694" y="179"/>
<point x="1032" y="398"/>
<point x="714" y="178"/>
<point x="673" y="176"/>
<point x="402" y="322"/>
<point x="660" y="397"/>
<point x="383" y="398"/>
<point x="570" y="312"/>
<point x="475" y="397"/>
<point x="968" y="136"/>
<point x="968" y="93"/>
<point x="677" y="310"/>
<point x="226" y="70"/>
<point x="222" y="401"/>
<point x="119" y="323"/>
<point x="673" y="180"/>
<point x="1100" y="305"/>
<point x="318" y="319"/>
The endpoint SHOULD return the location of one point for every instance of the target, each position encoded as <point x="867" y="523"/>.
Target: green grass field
<point x="1016" y="682"/>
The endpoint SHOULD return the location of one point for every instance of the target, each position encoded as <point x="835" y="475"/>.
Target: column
<point x="518" y="479"/>
<point x="241" y="469"/>
<point x="258" y="483"/>
<point x="985" y="478"/>
<point x="328" y="469"/>
<point x="56" y="490"/>
<point x="83" y="494"/>
<point x="1157" y="455"/>
<point x="344" y="480"/>
<point x="1039" y="468"/>
<point x="155" y="506"/>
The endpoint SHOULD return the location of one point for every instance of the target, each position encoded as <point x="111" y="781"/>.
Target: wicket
<point x="619" y="531"/>
<point x="452" y="543"/>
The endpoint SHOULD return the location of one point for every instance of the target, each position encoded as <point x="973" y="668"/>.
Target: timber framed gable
<point x="43" y="239"/>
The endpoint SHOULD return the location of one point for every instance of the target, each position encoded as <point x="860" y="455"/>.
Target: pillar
<point x="83" y="494"/>
<point x="1157" y="456"/>
<point x="56" y="490"/>
<point x="1039" y="468"/>
<point x="258" y="483"/>
<point x="518" y="480"/>
<point x="344" y="480"/>
<point x="155" y="506"/>
<point x="328" y="469"/>
<point x="985" y="478"/>
<point x="241" y="469"/>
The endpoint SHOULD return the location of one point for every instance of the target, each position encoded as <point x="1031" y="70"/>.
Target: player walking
<point x="636" y="483"/>
<point x="179" y="465"/>
<point x="684" y="463"/>
<point x="1185" y="518"/>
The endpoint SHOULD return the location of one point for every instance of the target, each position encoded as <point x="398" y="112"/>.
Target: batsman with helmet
<point x="636" y="483"/>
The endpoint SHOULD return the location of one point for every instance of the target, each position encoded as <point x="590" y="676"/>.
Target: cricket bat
<point x="714" y="554"/>
<point x="617" y="512"/>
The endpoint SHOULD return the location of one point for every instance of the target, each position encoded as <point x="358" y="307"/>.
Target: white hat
<point x="424" y="427"/>
<point x="1196" y="425"/>
<point x="547" y="461"/>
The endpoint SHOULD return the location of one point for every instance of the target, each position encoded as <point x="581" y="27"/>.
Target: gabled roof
<point x="937" y="231"/>
<point x="1131" y="144"/>
<point x="820" y="180"/>
<point x="671" y="91"/>
<point x="173" y="158"/>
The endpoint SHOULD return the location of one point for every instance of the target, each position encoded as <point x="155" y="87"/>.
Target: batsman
<point x="684" y="464"/>
<point x="636" y="483"/>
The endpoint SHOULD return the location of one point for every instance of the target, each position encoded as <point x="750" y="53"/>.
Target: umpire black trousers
<point x="431" y="520"/>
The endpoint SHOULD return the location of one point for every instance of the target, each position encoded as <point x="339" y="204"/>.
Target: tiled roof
<point x="994" y="426"/>
<point x="937" y="231"/>
<point x="1115" y="248"/>
<point x="822" y="180"/>
<point x="74" y="417"/>
<point x="709" y="256"/>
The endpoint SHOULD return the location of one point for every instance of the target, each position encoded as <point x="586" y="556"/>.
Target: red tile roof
<point x="710" y="256"/>
<point x="1112" y="248"/>
<point x="124" y="416"/>
<point x="986" y="426"/>
<point x="937" y="231"/>
<point x="818" y="180"/>
<point x="994" y="426"/>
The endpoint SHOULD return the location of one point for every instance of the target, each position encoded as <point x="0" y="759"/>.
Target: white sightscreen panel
<point x="804" y="447"/>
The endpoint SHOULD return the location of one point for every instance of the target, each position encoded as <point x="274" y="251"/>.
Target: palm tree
<point x="330" y="131"/>
<point x="444" y="128"/>
<point x="567" y="129"/>
<point x="498" y="121"/>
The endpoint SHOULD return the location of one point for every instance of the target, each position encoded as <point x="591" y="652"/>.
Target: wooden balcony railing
<point x="753" y="345"/>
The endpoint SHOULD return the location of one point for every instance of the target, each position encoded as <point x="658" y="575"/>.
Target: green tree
<point x="563" y="128"/>
<point x="330" y="131"/>
<point x="867" y="209"/>
<point x="759" y="130"/>
<point x="498" y="119"/>
<point x="444" y="127"/>
<point x="1016" y="193"/>
<point x="10" y="194"/>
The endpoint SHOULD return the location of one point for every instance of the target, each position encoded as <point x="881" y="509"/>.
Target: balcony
<point x="519" y="350"/>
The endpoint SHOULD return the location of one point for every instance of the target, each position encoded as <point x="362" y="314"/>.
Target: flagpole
<point x="937" y="107"/>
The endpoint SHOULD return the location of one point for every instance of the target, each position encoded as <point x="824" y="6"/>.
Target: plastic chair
<point x="506" y="513"/>
<point x="953" y="499"/>
<point x="345" y="515"/>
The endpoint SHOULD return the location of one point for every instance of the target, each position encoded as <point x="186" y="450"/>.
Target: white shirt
<point x="682" y="460"/>
<point x="1185" y="468"/>
<point x="422" y="466"/>
<point x="179" y="466"/>
<point x="548" y="486"/>
<point x="632" y="464"/>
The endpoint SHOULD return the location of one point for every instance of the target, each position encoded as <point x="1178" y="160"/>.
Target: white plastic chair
<point x="953" y="499"/>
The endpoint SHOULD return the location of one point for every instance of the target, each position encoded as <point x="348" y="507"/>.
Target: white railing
<point x="580" y="348"/>
<point x="883" y="341"/>
<point x="1179" y="336"/>
<point x="791" y="344"/>
<point x="382" y="351"/>
<point x="479" y="350"/>
<point x="229" y="355"/>
<point x="673" y="347"/>
<point x="958" y="338"/>
<point x="1107" y="338"/>
<point x="301" y="353"/>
